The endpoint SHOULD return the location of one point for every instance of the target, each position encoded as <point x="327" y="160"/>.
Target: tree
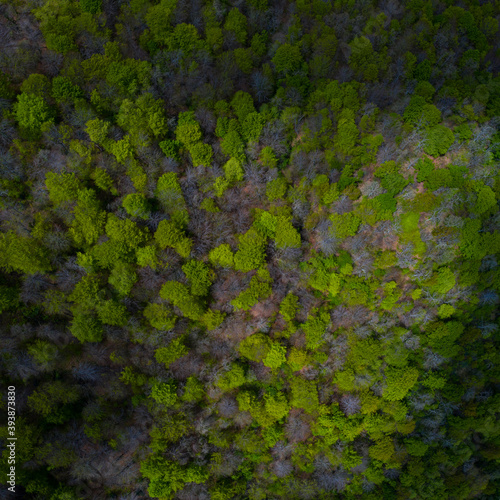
<point x="304" y="394"/>
<point x="251" y="251"/>
<point x="52" y="399"/>
<point x="177" y="293"/>
<point x="175" y="350"/>
<point x="347" y="132"/>
<point x="164" y="393"/>
<point x="144" y="116"/>
<point x="160" y="316"/>
<point x="21" y="253"/>
<point x="276" y="189"/>
<point x="136" y="205"/>
<point x="91" y="6"/>
<point x="398" y="382"/>
<point x="89" y="220"/>
<point x="287" y="58"/>
<point x="200" y="277"/>
<point x="289" y="307"/>
<point x="98" y="130"/>
<point x="32" y="112"/>
<point x="236" y="23"/>
<point x="123" y="278"/>
<point x="222" y="256"/>
<point x="439" y="139"/>
<point x="169" y="235"/>
<point x="167" y="477"/>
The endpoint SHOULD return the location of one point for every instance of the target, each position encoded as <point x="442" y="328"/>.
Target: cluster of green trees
<point x="250" y="249"/>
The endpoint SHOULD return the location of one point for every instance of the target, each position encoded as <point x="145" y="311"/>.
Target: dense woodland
<point x="249" y="249"/>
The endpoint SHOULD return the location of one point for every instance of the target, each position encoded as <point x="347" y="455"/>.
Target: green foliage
<point x="188" y="131"/>
<point x="286" y="235"/>
<point x="242" y="104"/>
<point x="442" y="282"/>
<point x="64" y="90"/>
<point x="51" y="400"/>
<point x="232" y="145"/>
<point x="398" y="382"/>
<point x="175" y="350"/>
<point x="164" y="393"/>
<point x="363" y="58"/>
<point x="159" y="316"/>
<point x="251" y="251"/>
<point x="8" y="298"/>
<point x="123" y="278"/>
<point x="486" y="201"/>
<point x="424" y="166"/>
<point x="193" y="390"/>
<point x="304" y="394"/>
<point x="315" y="328"/>
<point x="347" y="133"/>
<point x="232" y="379"/>
<point x="170" y="148"/>
<point x="236" y="22"/>
<point x="169" y="235"/>
<point x="136" y="205"/>
<point x="43" y="352"/>
<point x="222" y="256"/>
<point x="91" y="6"/>
<point x="439" y="139"/>
<point x="289" y="306"/>
<point x="200" y="277"/>
<point x="378" y="290"/>
<point x="276" y="356"/>
<point x="113" y="313"/>
<point x="201" y="154"/>
<point x="212" y="319"/>
<point x="125" y="231"/>
<point x="19" y="253"/>
<point x="257" y="290"/>
<point x="98" y="130"/>
<point x="179" y="296"/>
<point x="144" y="116"/>
<point x="256" y="347"/>
<point x="233" y="170"/>
<point x="36" y="84"/>
<point x="32" y="112"/>
<point x="62" y="187"/>
<point x="287" y="58"/>
<point x="276" y="189"/>
<point x="344" y="225"/>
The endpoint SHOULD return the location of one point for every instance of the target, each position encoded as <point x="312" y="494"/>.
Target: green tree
<point x="289" y="307"/>
<point x="159" y="316"/>
<point x="287" y="58"/>
<point x="179" y="296"/>
<point x="398" y="382"/>
<point x="32" y="112"/>
<point x="200" y="277"/>
<point x="236" y="23"/>
<point x="86" y="328"/>
<point x="51" y="400"/>
<point x="251" y="251"/>
<point x="123" y="278"/>
<point x="136" y="205"/>
<point x="176" y="349"/>
<point x="21" y="253"/>
<point x="222" y="256"/>
<point x="169" y="235"/>
<point x="89" y="220"/>
<point x="439" y="140"/>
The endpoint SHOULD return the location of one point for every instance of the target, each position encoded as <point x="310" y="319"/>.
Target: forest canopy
<point x="249" y="250"/>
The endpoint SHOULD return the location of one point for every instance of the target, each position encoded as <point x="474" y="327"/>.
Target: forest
<point x="249" y="249"/>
